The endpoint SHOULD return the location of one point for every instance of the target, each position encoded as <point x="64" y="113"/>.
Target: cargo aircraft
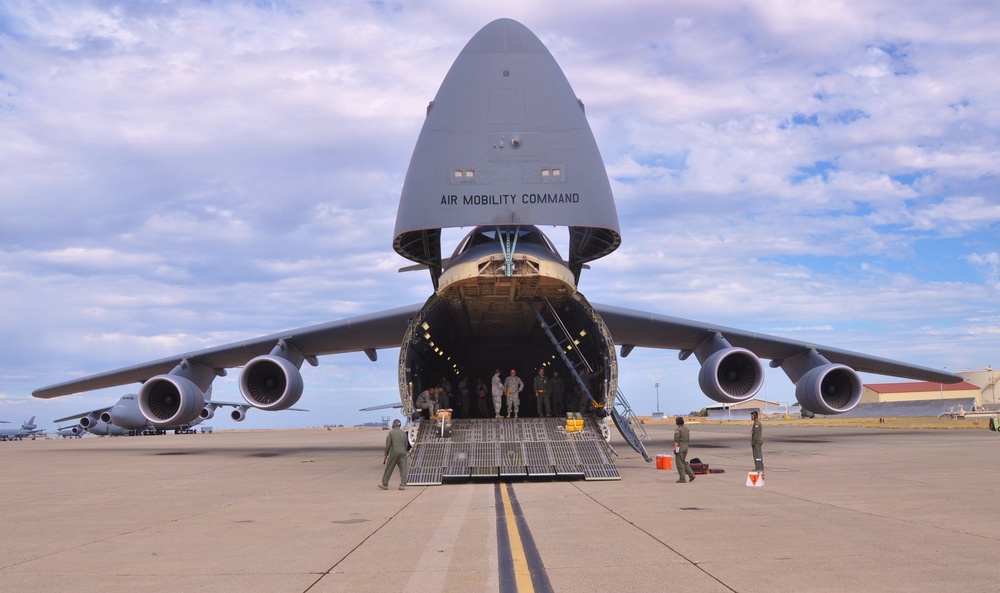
<point x="28" y="429"/>
<point x="126" y="415"/>
<point x="505" y="149"/>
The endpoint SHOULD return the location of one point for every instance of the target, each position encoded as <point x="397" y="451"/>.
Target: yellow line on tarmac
<point x="522" y="576"/>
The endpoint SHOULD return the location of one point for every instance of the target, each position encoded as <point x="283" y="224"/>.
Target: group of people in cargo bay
<point x="506" y="397"/>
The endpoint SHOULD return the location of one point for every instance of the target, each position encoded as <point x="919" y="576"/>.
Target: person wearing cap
<point x="427" y="402"/>
<point x="395" y="456"/>
<point x="682" y="436"/>
<point x="757" y="442"/>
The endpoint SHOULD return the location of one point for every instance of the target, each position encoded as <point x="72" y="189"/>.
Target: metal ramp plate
<point x="570" y="471"/>
<point x="510" y="448"/>
<point x="484" y="472"/>
<point x="424" y="476"/>
<point x="453" y="472"/>
<point x="540" y="471"/>
<point x="600" y="472"/>
<point x="511" y="471"/>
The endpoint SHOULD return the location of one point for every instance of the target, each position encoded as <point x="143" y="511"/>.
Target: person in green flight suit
<point x="682" y="436"/>
<point x="757" y="442"/>
<point x="543" y="394"/>
<point x="395" y="456"/>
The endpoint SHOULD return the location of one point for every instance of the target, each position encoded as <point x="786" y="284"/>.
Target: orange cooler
<point x="664" y="461"/>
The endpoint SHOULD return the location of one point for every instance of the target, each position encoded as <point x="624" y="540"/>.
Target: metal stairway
<point x="627" y="418"/>
<point x="509" y="448"/>
<point x="563" y="344"/>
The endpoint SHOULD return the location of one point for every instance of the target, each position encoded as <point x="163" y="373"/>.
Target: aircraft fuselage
<point x="496" y="297"/>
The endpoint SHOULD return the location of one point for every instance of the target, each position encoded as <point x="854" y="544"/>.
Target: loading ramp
<point x="509" y="448"/>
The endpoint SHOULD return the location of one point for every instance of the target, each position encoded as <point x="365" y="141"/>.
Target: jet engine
<point x="728" y="374"/>
<point x="207" y="413"/>
<point x="170" y="400"/>
<point x="238" y="414"/>
<point x="88" y="422"/>
<point x="271" y="383"/>
<point x="829" y="389"/>
<point x="731" y="375"/>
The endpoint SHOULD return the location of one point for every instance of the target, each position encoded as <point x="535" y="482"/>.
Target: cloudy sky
<point x="177" y="175"/>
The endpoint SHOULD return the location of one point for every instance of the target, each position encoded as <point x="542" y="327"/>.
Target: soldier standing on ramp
<point x="395" y="456"/>
<point x="757" y="442"/>
<point x="512" y="386"/>
<point x="543" y="394"/>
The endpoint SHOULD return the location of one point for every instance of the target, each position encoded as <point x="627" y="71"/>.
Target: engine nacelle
<point x="238" y="414"/>
<point x="731" y="375"/>
<point x="207" y="413"/>
<point x="88" y="422"/>
<point x="271" y="383"/>
<point x="170" y="400"/>
<point x="829" y="389"/>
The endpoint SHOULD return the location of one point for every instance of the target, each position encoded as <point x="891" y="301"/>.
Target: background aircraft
<point x="28" y="429"/>
<point x="126" y="415"/>
<point x="505" y="147"/>
<point x="74" y="431"/>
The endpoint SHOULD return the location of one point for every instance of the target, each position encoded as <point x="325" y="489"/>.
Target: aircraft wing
<point x="242" y="404"/>
<point x="381" y="407"/>
<point x="96" y="412"/>
<point x="630" y="327"/>
<point x="354" y="334"/>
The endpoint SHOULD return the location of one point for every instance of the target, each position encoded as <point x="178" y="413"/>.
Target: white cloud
<point x="184" y="174"/>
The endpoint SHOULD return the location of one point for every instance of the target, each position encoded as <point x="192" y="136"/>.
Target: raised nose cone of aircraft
<point x="506" y="142"/>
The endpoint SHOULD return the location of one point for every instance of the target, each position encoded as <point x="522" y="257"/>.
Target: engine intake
<point x="238" y="414"/>
<point x="731" y="375"/>
<point x="829" y="389"/>
<point x="170" y="400"/>
<point x="728" y="374"/>
<point x="271" y="383"/>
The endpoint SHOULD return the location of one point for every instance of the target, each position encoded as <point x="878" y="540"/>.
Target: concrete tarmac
<point x="298" y="511"/>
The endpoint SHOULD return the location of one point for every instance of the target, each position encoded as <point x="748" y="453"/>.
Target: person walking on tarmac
<point x="757" y="442"/>
<point x="682" y="436"/>
<point x="395" y="456"/>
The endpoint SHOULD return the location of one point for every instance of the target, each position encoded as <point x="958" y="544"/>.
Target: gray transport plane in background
<point x="69" y="432"/>
<point x="126" y="415"/>
<point x="28" y="430"/>
<point x="505" y="148"/>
